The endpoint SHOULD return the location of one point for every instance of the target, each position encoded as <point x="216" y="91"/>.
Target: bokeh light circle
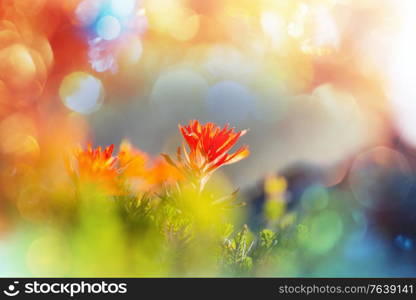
<point x="122" y="7"/>
<point x="81" y="92"/>
<point x="178" y="92"/>
<point x="87" y="12"/>
<point x="315" y="198"/>
<point x="374" y="175"/>
<point x="108" y="28"/>
<point x="229" y="101"/>
<point x="323" y="232"/>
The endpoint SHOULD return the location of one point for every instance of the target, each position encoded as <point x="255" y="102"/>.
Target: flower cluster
<point x="131" y="168"/>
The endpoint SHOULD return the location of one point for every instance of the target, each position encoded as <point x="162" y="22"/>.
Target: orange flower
<point x="208" y="149"/>
<point x="163" y="173"/>
<point x="143" y="173"/>
<point x="133" y="162"/>
<point x="97" y="166"/>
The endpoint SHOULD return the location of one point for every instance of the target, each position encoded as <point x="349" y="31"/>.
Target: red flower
<point x="208" y="149"/>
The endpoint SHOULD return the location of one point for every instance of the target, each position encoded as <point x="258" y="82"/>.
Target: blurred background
<point x="326" y="88"/>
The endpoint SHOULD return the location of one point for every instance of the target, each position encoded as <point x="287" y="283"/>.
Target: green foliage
<point x="243" y="253"/>
<point x="179" y="231"/>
